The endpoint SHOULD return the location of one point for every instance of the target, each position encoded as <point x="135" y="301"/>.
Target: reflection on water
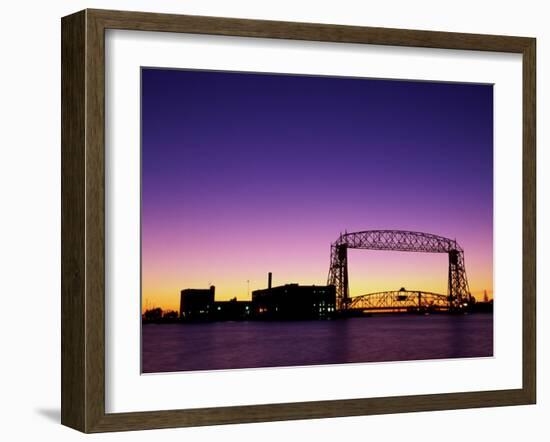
<point x="226" y="345"/>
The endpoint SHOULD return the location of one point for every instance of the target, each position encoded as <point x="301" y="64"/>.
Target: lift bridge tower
<point x="403" y="241"/>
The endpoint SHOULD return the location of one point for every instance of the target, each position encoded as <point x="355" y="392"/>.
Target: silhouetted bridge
<point x="458" y="293"/>
<point x="400" y="301"/>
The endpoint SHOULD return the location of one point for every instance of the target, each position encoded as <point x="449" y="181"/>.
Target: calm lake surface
<point x="227" y="345"/>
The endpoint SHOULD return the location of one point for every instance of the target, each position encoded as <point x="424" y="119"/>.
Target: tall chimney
<point x="269" y="278"/>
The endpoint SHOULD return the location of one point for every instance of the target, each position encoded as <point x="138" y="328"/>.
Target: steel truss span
<point x="458" y="291"/>
<point x="400" y="300"/>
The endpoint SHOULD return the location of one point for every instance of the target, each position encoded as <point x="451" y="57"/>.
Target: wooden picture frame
<point x="83" y="220"/>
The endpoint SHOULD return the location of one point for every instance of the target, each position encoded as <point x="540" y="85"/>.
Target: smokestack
<point x="269" y="279"/>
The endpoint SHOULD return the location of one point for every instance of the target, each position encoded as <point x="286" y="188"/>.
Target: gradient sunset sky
<point x="245" y="173"/>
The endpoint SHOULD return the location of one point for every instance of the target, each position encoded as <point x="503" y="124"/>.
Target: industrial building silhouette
<point x="284" y="302"/>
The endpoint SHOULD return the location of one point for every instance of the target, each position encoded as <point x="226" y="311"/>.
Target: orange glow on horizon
<point x="166" y="294"/>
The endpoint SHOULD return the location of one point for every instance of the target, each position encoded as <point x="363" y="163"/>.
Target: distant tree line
<point x="158" y="315"/>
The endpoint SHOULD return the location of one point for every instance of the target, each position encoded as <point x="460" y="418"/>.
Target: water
<point x="227" y="345"/>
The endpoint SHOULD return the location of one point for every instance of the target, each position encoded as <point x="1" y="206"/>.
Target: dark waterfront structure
<point x="231" y="310"/>
<point x="294" y="301"/>
<point x="483" y="307"/>
<point x="200" y="305"/>
<point x="285" y="302"/>
<point x="197" y="304"/>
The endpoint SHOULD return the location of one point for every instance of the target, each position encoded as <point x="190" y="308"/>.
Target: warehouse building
<point x="200" y="305"/>
<point x="294" y="301"/>
<point x="197" y="304"/>
<point x="232" y="310"/>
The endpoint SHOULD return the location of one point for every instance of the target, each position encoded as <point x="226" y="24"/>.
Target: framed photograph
<point x="269" y="220"/>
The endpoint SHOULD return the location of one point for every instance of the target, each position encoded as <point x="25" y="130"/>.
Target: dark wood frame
<point x="83" y="216"/>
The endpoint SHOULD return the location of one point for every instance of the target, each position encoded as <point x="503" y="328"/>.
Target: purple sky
<point x="248" y="173"/>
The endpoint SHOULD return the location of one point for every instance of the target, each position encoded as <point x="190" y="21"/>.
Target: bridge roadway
<point x="399" y="301"/>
